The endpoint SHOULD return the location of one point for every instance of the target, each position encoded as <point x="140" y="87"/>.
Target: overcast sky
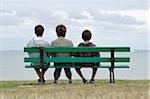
<point x="112" y="22"/>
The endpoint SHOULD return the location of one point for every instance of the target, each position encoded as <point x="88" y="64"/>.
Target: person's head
<point x="86" y="35"/>
<point x="61" y="30"/>
<point x="39" y="29"/>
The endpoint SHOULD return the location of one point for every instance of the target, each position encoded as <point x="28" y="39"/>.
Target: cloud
<point x="53" y="17"/>
<point x="115" y="18"/>
<point x="9" y="18"/>
<point x="61" y="16"/>
<point x="85" y="4"/>
<point x="79" y="15"/>
<point x="81" y="20"/>
<point x="20" y="16"/>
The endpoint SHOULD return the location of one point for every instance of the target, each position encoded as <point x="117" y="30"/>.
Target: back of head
<point x="86" y="35"/>
<point x="39" y="29"/>
<point x="61" y="30"/>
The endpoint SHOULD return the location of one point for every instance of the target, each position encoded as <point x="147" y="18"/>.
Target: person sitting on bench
<point x="62" y="42"/>
<point x="86" y="36"/>
<point x="38" y="41"/>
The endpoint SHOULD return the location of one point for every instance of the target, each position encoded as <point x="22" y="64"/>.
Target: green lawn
<point x="102" y="89"/>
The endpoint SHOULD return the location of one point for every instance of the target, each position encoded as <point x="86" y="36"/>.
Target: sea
<point x="12" y="67"/>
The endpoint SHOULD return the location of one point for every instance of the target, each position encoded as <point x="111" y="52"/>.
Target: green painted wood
<point x="85" y="60"/>
<point x="103" y="66"/>
<point x="32" y="49"/>
<point x="67" y="67"/>
<point x="122" y="49"/>
<point x="78" y="49"/>
<point x="122" y="59"/>
<point x="87" y="49"/>
<point x="121" y="67"/>
<point x="32" y="59"/>
<point x="76" y="59"/>
<point x="67" y="60"/>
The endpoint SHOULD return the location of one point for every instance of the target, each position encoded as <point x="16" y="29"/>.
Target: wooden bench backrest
<point x="111" y="50"/>
<point x="112" y="59"/>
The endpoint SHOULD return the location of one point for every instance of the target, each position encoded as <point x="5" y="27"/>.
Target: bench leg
<point x="112" y="76"/>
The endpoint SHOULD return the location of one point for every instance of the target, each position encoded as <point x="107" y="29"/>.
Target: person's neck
<point x="86" y="42"/>
<point x="61" y="37"/>
<point x="39" y="36"/>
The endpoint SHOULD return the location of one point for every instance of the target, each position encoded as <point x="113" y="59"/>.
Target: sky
<point x="112" y="22"/>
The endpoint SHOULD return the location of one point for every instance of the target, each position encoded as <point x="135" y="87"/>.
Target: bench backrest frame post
<point x="112" y="58"/>
<point x="41" y="57"/>
<point x="112" y="66"/>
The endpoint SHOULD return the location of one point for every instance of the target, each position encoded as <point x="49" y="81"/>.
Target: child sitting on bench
<point x="86" y="36"/>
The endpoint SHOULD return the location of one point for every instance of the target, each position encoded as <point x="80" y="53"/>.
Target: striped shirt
<point x="87" y="54"/>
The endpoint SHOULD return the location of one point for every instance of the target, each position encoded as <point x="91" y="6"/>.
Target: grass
<point x="102" y="89"/>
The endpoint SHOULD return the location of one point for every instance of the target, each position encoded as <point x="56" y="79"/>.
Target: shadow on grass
<point x="35" y="83"/>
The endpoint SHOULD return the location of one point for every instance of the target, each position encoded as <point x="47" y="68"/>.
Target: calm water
<point x="12" y="67"/>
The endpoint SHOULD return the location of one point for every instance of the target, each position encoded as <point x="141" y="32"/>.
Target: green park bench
<point x="111" y="61"/>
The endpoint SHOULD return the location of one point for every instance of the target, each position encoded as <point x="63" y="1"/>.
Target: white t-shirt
<point x="37" y="42"/>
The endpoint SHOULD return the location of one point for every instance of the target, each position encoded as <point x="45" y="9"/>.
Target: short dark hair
<point x="39" y="29"/>
<point x="61" y="30"/>
<point x="86" y="35"/>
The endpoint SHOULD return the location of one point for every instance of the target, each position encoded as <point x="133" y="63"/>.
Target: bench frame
<point x="103" y="49"/>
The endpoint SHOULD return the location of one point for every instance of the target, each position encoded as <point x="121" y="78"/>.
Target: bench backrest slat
<point x="77" y="60"/>
<point x="32" y="49"/>
<point x="87" y="49"/>
<point x="79" y="49"/>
